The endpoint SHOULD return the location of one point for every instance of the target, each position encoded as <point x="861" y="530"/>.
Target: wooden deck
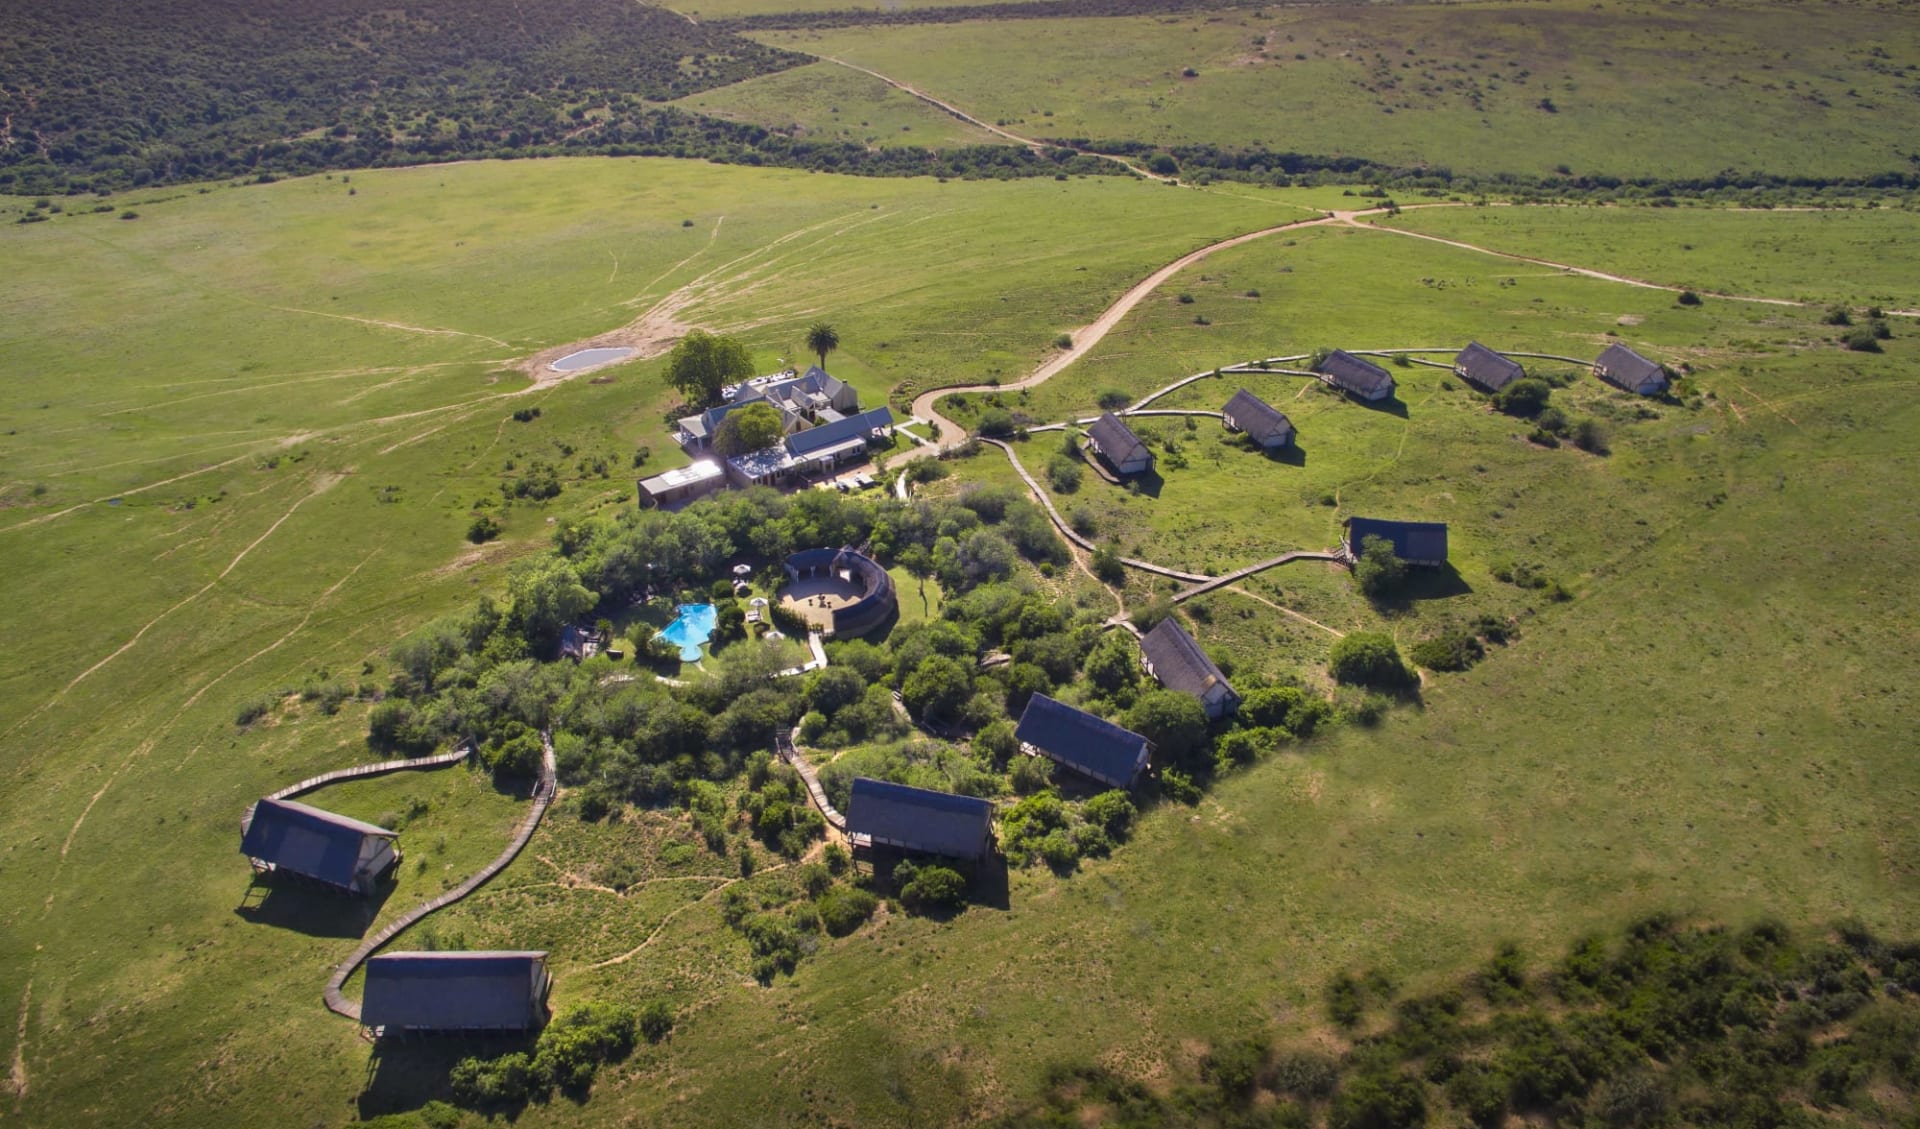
<point x="543" y="791"/>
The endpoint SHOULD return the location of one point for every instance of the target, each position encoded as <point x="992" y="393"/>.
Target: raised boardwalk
<point x="542" y="796"/>
<point x="789" y="751"/>
<point x="381" y="769"/>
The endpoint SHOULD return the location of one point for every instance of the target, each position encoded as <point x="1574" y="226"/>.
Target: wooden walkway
<point x="543" y="791"/>
<point x="789" y="751"/>
<point x="381" y="769"/>
<point x="1067" y="530"/>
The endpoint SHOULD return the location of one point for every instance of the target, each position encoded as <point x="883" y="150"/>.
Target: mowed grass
<point x="829" y="102"/>
<point x="1857" y="256"/>
<point x="1634" y="90"/>
<point x="293" y="489"/>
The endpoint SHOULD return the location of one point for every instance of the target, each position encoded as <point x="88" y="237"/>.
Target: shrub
<point x="934" y="888"/>
<point x="1111" y="811"/>
<point x="844" y="909"/>
<point x="1379" y="571"/>
<point x="1591" y="436"/>
<point x="1186" y="299"/>
<point x="1451" y="650"/>
<point x="1179" y="787"/>
<point x="484" y="529"/>
<point x="1369" y="658"/>
<point x="1862" y="341"/>
<point x="1524" y="397"/>
<point x="488" y="1082"/>
<point x="253" y="709"/>
<point x="1688" y="298"/>
<point x="1064" y="474"/>
<point x="995" y="423"/>
<point x="656" y="1020"/>
<point x="1064" y="341"/>
<point x="1837" y="315"/>
<point x="1107" y="567"/>
<point x="1380" y="1100"/>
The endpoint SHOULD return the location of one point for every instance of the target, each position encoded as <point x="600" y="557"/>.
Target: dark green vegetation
<point x="106" y="96"/>
<point x="1663" y="1025"/>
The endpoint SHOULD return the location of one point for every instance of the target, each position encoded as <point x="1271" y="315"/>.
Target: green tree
<point x="1176" y="723"/>
<point x="1113" y="663"/>
<point x="934" y="888"/>
<point x="703" y="363"/>
<point x="752" y="428"/>
<point x="821" y="340"/>
<point x="1379" y="571"/>
<point x="1369" y="658"/>
<point x="937" y="687"/>
<point x="546" y="596"/>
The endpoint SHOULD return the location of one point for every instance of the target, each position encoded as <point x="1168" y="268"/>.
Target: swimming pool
<point x="692" y="627"/>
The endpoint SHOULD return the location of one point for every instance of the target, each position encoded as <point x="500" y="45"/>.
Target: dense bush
<point x="1379" y="571"/>
<point x="930" y="889"/>
<point x="1368" y="658"/>
<point x="1455" y="649"/>
<point x="1524" y="397"/>
<point x="844" y="909"/>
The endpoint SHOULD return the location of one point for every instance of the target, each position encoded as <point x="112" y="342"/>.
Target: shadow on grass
<point x="1149" y="483"/>
<point x="1293" y="454"/>
<point x="989" y="884"/>
<point x="282" y="902"/>
<point x="405" y="1074"/>
<point x="1440" y="583"/>
<point x="1393" y="405"/>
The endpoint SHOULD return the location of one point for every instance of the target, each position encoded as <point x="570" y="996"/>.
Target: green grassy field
<point x="218" y="487"/>
<point x="828" y="102"/>
<point x="1814" y="256"/>
<point x="1634" y="89"/>
<point x="247" y="431"/>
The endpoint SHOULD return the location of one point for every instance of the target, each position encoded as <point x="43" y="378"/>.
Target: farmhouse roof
<point x="1411" y="540"/>
<point x="1355" y="375"/>
<point x="1487" y="368"/>
<point x="1624" y="366"/>
<point x="1080" y="740"/>
<point x="921" y="819"/>
<point x="306" y="840"/>
<point x="700" y="470"/>
<point x="1178" y="662"/>
<point x="1116" y="440"/>
<point x="455" y="990"/>
<point x="1256" y="417"/>
<point x="827" y="435"/>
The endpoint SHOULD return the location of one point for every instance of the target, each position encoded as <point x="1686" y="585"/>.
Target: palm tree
<point x="821" y="339"/>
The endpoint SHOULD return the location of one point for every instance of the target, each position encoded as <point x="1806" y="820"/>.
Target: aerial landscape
<point x="1013" y="562"/>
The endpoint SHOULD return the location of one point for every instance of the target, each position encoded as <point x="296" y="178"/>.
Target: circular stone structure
<point x="588" y="358"/>
<point x="840" y="592"/>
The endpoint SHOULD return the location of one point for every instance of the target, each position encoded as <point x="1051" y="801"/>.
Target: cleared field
<point x="828" y="102"/>
<point x="1618" y="89"/>
<point x="1814" y="256"/>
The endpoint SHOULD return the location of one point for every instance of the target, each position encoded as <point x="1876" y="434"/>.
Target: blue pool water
<point x="692" y="627"/>
<point x="587" y="358"/>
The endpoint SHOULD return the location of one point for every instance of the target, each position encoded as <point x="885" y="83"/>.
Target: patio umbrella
<point x="742" y="570"/>
<point x="759" y="601"/>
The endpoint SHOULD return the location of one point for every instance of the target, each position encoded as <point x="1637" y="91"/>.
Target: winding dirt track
<point x="1084" y="339"/>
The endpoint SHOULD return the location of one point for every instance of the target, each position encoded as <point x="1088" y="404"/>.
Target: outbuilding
<point x="683" y="484"/>
<point x="1485" y="369"/>
<point x="1115" y="442"/>
<point x="1415" y="542"/>
<point x="472" y="992"/>
<point x="1091" y="746"/>
<point x="1175" y="659"/>
<point x="1356" y="377"/>
<point x="285" y="835"/>
<point x="1258" y="420"/>
<point x="920" y="819"/>
<point x="1627" y="370"/>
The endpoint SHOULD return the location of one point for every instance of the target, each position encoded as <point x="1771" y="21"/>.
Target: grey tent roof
<point x="1412" y="540"/>
<point x="1093" y="745"/>
<point x="826" y="435"/>
<point x="1116" y="440"/>
<point x="1178" y="662"/>
<point x="455" y="990"/>
<point x="1487" y="368"/>
<point x="939" y="823"/>
<point x="1354" y="374"/>
<point x="1256" y="417"/>
<point x="1628" y="368"/>
<point x="306" y="840"/>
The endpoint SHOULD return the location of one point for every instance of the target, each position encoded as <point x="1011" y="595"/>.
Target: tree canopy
<point x="1379" y="571"/>
<point x="752" y="428"/>
<point x="1369" y="658"/>
<point x="821" y="340"/>
<point x="703" y="363"/>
